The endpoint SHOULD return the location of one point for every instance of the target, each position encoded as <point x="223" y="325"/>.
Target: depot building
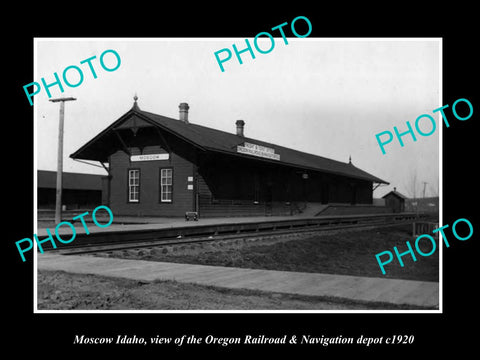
<point x="160" y="166"/>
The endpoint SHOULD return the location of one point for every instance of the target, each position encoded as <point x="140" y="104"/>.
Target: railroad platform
<point x="175" y="228"/>
<point x="138" y="224"/>
<point x="126" y="223"/>
<point x="418" y="294"/>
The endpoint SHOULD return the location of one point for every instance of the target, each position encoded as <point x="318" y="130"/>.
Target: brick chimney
<point x="184" y="112"/>
<point x="240" y="124"/>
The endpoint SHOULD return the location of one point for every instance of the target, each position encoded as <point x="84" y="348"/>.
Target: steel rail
<point x="215" y="236"/>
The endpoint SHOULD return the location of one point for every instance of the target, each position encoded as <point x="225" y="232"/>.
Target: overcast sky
<point x="327" y="97"/>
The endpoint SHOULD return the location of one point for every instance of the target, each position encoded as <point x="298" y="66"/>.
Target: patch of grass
<point x="345" y="253"/>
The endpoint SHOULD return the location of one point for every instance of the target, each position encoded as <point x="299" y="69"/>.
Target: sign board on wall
<point x="258" y="150"/>
<point x="149" y="157"/>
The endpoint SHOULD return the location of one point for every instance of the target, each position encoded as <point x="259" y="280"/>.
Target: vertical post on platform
<point x="58" y="199"/>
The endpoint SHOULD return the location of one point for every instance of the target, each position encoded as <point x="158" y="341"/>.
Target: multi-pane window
<point x="166" y="185"/>
<point x="133" y="185"/>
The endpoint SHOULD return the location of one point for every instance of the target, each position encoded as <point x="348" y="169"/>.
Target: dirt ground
<point x="58" y="290"/>
<point x="345" y="253"/>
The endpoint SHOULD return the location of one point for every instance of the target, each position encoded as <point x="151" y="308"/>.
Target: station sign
<point x="149" y="157"/>
<point x="258" y="150"/>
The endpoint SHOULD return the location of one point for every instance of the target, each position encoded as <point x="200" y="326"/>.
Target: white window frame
<point x="133" y="185"/>
<point x="166" y="185"/>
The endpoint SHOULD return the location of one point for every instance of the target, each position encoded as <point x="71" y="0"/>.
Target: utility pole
<point x="58" y="200"/>
<point x="424" y="185"/>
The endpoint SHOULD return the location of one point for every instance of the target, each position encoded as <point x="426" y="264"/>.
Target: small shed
<point x="395" y="201"/>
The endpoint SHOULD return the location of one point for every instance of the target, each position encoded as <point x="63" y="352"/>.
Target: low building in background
<point x="80" y="191"/>
<point x="395" y="201"/>
<point x="423" y="205"/>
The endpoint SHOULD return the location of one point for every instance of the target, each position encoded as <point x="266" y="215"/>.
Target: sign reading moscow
<point x="149" y="157"/>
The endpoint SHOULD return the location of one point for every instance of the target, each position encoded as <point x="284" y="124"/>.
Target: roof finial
<point x="135" y="105"/>
<point x="350" y="159"/>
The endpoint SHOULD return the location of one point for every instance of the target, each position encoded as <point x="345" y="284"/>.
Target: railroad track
<point x="226" y="232"/>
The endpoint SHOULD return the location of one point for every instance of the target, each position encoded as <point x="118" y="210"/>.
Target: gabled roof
<point x="396" y="193"/>
<point x="208" y="139"/>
